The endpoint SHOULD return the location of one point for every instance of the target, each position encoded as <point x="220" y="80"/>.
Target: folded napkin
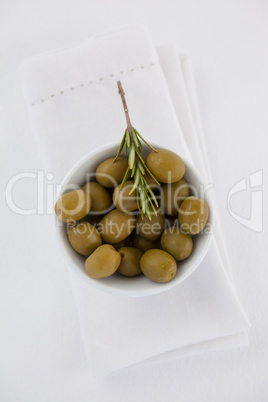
<point x="74" y="108"/>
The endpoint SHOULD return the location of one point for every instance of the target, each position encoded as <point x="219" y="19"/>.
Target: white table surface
<point x="42" y="355"/>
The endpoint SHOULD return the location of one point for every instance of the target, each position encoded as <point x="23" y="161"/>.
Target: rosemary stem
<point x="137" y="168"/>
<point x="122" y="94"/>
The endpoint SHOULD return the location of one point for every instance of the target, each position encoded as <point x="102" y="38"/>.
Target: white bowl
<point x="118" y="284"/>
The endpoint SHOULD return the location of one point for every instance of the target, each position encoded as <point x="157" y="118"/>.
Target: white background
<point x="41" y="353"/>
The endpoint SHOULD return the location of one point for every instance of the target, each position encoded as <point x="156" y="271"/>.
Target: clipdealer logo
<point x="47" y="194"/>
<point x="255" y="221"/>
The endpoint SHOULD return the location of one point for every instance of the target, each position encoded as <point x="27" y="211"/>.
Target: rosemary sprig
<point x="132" y="141"/>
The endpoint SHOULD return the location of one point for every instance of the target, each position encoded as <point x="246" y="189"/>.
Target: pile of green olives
<point x="105" y="226"/>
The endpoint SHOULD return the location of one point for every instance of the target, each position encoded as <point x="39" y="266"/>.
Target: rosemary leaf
<point x="135" y="139"/>
<point x="128" y="139"/>
<point x="133" y="171"/>
<point x="152" y="195"/>
<point x="148" y="210"/>
<point x="143" y="203"/>
<point x="153" y="207"/>
<point x="140" y="157"/>
<point x="138" y="200"/>
<point x="125" y="178"/>
<point x="131" y="158"/>
<point x="148" y="170"/>
<point x="121" y="146"/>
<point x="144" y="140"/>
<point x="141" y="167"/>
<point x="136" y="181"/>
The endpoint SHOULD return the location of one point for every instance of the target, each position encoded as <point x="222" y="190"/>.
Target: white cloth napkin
<point x="74" y="107"/>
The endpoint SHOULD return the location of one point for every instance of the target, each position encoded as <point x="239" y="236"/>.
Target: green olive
<point x="84" y="238"/>
<point x="130" y="261"/>
<point x="116" y="226"/>
<point x="173" y="196"/>
<point x="123" y="200"/>
<point x="165" y="165"/>
<point x="127" y="242"/>
<point x="193" y="215"/>
<point x="151" y="229"/>
<point x="176" y="243"/>
<point x="101" y="199"/>
<point x="143" y="244"/>
<point x="158" y="265"/>
<point x="73" y="205"/>
<point x="103" y="262"/>
<point x="110" y="173"/>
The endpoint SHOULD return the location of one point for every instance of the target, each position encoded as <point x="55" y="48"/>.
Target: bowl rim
<point x="103" y="286"/>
